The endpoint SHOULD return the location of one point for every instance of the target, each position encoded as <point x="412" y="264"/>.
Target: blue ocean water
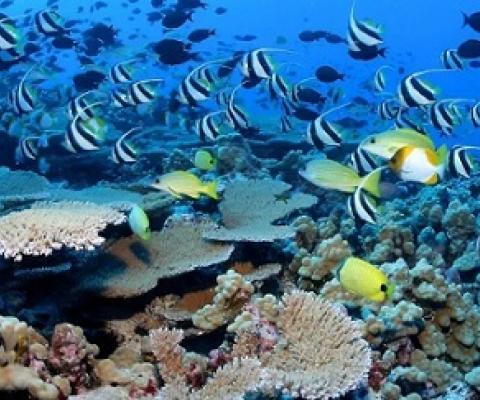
<point x="133" y="193"/>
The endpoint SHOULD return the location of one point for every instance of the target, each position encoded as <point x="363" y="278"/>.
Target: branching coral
<point x="176" y="250"/>
<point x="232" y="292"/>
<point x="310" y="361"/>
<point x="250" y="208"/>
<point x="46" y="227"/>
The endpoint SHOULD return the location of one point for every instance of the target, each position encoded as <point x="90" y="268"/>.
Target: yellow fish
<point x="419" y="164"/>
<point x="329" y="174"/>
<point x="386" y="144"/>
<point x="204" y="160"/>
<point x="139" y="223"/>
<point x="364" y="279"/>
<point x="184" y="183"/>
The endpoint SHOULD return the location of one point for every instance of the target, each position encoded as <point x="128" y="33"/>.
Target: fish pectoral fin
<point x="174" y="193"/>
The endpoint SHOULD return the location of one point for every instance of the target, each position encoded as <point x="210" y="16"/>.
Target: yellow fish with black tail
<point x="419" y="164"/>
<point x="329" y="174"/>
<point x="185" y="184"/>
<point x="364" y="279"/>
<point x="204" y="160"/>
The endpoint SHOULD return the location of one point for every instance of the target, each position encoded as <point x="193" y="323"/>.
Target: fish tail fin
<point x="390" y="290"/>
<point x="442" y="152"/>
<point x="371" y="182"/>
<point x="211" y="190"/>
<point x="466" y="19"/>
<point x="382" y="52"/>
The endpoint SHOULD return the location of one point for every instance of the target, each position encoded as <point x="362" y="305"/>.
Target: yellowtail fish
<point x="185" y="184"/>
<point x="330" y="174"/>
<point x="364" y="279"/>
<point x="139" y="223"/>
<point x="204" y="160"/>
<point x="419" y="164"/>
<point x="386" y="144"/>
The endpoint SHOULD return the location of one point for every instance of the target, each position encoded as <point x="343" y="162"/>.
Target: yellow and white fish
<point x="419" y="164"/>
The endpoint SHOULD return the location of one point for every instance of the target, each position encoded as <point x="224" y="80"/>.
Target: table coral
<point x="49" y="226"/>
<point x="250" y="208"/>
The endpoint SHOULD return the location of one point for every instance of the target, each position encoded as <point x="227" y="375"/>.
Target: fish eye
<point x="372" y="140"/>
<point x="383" y="287"/>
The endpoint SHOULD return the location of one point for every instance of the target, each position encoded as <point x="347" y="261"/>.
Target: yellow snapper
<point x="329" y="174"/>
<point x="364" y="279"/>
<point x="139" y="223"/>
<point x="419" y="164"/>
<point x="386" y="144"/>
<point x="184" y="183"/>
<point x="204" y="160"/>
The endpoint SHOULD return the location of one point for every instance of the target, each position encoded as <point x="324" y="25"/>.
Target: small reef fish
<point x="204" y="160"/>
<point x="419" y="164"/>
<point x="184" y="183"/>
<point x="386" y="144"/>
<point x="364" y="279"/>
<point x="139" y="223"/>
<point x="329" y="174"/>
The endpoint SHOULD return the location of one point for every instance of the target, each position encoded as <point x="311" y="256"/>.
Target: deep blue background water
<point x="416" y="32"/>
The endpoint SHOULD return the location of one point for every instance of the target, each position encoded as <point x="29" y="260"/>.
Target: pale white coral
<point x="46" y="227"/>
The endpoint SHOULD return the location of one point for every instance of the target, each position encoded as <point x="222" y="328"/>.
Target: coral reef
<point x="249" y="209"/>
<point x="176" y="250"/>
<point x="49" y="226"/>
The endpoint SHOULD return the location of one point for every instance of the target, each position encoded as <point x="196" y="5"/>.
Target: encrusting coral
<point x="232" y="292"/>
<point x="48" y="226"/>
<point x="250" y="208"/>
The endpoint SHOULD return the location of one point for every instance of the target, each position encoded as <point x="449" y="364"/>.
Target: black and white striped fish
<point x="205" y="74"/>
<point x="207" y="128"/>
<point x="277" y="87"/>
<point x="414" y="92"/>
<point x="451" y="60"/>
<point x="403" y="121"/>
<point x="362" y="162"/>
<point x="85" y="135"/>
<point x="388" y="109"/>
<point x="475" y="115"/>
<point x="141" y="92"/>
<point x="285" y="124"/>
<point x="321" y="133"/>
<point x="9" y="35"/>
<point x="23" y="97"/>
<point x="28" y="148"/>
<point x="257" y="64"/>
<point x="458" y="162"/>
<point x="236" y="116"/>
<point x="379" y="79"/>
<point x="80" y="106"/>
<point x="121" y="98"/>
<point x="123" y="152"/>
<point x="444" y="116"/>
<point x="120" y="72"/>
<point x="361" y="34"/>
<point x="193" y="90"/>
<point x="48" y="22"/>
<point x="361" y="208"/>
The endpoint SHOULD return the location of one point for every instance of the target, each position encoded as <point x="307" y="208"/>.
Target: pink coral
<point x="70" y="355"/>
